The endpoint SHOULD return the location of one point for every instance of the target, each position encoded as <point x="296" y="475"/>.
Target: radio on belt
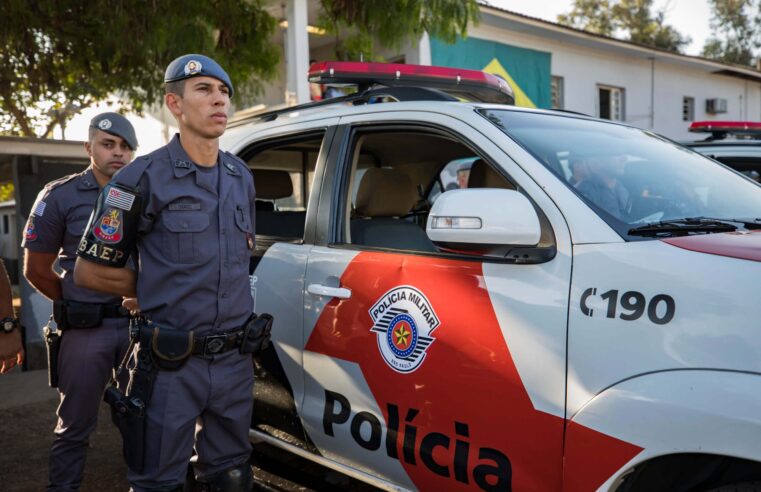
<point x="473" y="85"/>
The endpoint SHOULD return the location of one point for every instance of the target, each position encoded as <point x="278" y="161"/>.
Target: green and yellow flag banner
<point x="527" y="71"/>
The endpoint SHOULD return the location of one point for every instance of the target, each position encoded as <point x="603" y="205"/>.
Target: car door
<point x="286" y="163"/>
<point x="431" y="370"/>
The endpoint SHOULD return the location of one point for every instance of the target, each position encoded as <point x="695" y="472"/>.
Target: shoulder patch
<point x="30" y="234"/>
<point x="39" y="209"/>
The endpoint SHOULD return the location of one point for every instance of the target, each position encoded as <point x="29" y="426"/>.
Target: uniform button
<point x="184" y="225"/>
<point x="224" y="294"/>
<point x="223" y="232"/>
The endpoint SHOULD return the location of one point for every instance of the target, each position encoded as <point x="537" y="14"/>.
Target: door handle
<point x="324" y="290"/>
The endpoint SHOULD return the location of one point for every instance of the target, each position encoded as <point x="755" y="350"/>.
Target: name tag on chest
<point x="184" y="206"/>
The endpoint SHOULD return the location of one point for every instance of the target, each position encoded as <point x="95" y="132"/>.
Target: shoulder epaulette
<point x="130" y="175"/>
<point x="62" y="181"/>
<point x="238" y="161"/>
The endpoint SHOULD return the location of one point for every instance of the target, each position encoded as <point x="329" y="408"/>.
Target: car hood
<point x="742" y="244"/>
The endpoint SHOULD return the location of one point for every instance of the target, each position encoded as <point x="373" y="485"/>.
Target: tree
<point x="366" y="25"/>
<point x="736" y="26"/>
<point x="60" y="56"/>
<point x="633" y="20"/>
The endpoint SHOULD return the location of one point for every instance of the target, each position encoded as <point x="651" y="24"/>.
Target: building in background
<point x="548" y="66"/>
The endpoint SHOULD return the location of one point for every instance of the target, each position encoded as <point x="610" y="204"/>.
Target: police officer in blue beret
<point x="188" y="209"/>
<point x="94" y="326"/>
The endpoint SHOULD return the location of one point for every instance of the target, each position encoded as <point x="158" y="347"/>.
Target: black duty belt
<point x="217" y="344"/>
<point x="73" y="314"/>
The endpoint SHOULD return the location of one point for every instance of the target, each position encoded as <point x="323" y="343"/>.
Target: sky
<point x="689" y="17"/>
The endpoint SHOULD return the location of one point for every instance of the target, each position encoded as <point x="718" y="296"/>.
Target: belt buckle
<point x="214" y="344"/>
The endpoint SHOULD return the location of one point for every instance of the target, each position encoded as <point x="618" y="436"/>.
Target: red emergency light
<point x="735" y="127"/>
<point x="468" y="84"/>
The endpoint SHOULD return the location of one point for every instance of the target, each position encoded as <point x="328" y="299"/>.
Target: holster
<point x="52" y="346"/>
<point x="128" y="410"/>
<point x="170" y="348"/>
<point x="256" y="334"/>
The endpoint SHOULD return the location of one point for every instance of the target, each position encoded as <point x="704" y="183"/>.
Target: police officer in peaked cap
<point x="93" y="326"/>
<point x="189" y="211"/>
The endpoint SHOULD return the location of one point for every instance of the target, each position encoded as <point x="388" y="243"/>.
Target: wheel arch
<point x="668" y="413"/>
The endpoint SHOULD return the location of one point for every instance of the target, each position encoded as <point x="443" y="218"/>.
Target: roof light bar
<point x="469" y="84"/>
<point x="737" y="127"/>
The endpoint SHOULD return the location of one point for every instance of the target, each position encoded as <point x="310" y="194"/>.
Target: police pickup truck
<point x="581" y="314"/>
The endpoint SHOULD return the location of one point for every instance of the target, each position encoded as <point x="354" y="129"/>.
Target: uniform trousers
<point x="86" y="360"/>
<point x="206" y="404"/>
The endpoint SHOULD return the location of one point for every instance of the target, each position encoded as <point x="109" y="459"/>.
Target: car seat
<point x="384" y="197"/>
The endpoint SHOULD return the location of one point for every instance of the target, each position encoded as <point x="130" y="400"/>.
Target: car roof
<point x="240" y="128"/>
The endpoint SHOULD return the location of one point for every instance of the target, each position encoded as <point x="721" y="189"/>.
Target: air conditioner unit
<point x="716" y="105"/>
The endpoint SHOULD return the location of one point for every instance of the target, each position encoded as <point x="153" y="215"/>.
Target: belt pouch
<point x="80" y="315"/>
<point x="256" y="334"/>
<point x="52" y="346"/>
<point x="171" y="348"/>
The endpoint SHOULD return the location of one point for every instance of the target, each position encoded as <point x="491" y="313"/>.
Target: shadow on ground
<point x="26" y="433"/>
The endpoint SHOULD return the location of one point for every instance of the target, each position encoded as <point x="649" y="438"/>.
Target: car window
<point x="283" y="173"/>
<point x="630" y="176"/>
<point x="394" y="178"/>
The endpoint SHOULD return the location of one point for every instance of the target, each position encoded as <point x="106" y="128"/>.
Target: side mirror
<point x="483" y="221"/>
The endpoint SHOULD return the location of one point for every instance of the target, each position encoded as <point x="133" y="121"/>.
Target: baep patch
<point x="109" y="228"/>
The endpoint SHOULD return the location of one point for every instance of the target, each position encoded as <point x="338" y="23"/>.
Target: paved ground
<point x="27" y="419"/>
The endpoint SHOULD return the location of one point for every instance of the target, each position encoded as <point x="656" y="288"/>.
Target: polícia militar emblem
<point x="192" y="67"/>
<point x="109" y="227"/>
<point x="403" y="321"/>
<point x="104" y="124"/>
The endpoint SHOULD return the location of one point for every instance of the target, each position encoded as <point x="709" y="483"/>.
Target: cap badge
<point x="104" y="124"/>
<point x="192" y="67"/>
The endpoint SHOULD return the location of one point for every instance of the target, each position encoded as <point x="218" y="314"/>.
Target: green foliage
<point x="590" y="15"/>
<point x="7" y="191"/>
<point x="60" y="56"/>
<point x="633" y="20"/>
<point x="736" y="36"/>
<point x="367" y="25"/>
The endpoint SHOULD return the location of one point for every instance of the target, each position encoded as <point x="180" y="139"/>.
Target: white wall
<point x="583" y="68"/>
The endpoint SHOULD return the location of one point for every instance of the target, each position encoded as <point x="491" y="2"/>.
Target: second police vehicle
<point x="581" y="312"/>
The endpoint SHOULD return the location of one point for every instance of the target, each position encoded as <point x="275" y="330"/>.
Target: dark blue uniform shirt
<point x="195" y="238"/>
<point x="56" y="223"/>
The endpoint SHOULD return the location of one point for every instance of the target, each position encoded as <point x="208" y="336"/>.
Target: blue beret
<point x="116" y="124"/>
<point x="193" y="65"/>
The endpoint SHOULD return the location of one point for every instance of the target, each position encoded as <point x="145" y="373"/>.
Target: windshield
<point x="631" y="177"/>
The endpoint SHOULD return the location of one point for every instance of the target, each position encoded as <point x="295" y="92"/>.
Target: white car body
<point x="524" y="381"/>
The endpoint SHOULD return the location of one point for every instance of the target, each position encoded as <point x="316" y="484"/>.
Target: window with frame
<point x="558" y="92"/>
<point x="610" y="103"/>
<point x="688" y="108"/>
<point x="283" y="174"/>
<point x="394" y="179"/>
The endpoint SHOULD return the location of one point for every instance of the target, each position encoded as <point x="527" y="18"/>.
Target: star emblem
<point x="402" y="335"/>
